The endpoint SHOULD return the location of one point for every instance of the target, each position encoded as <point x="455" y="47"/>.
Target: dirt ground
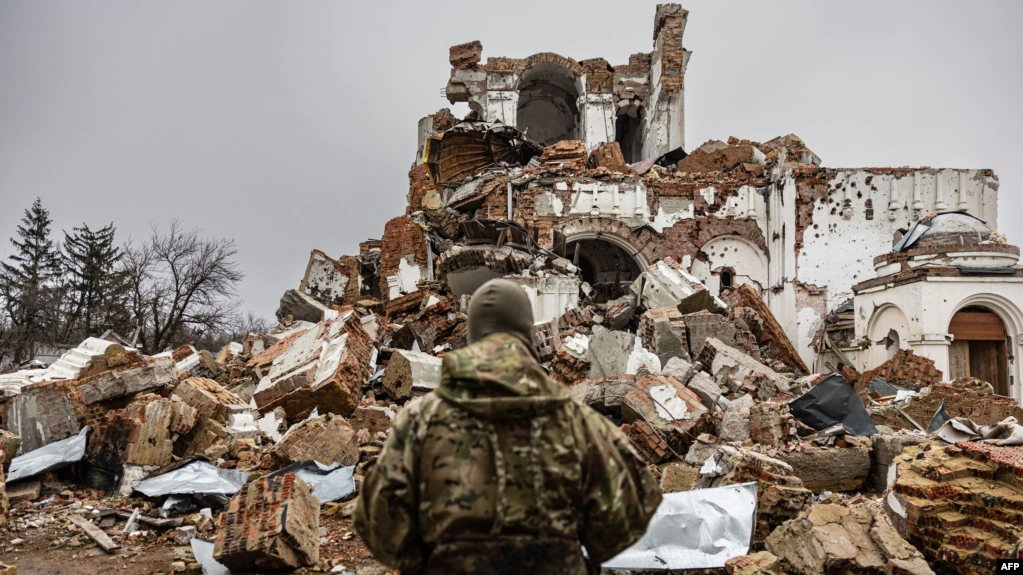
<point x="51" y="546"/>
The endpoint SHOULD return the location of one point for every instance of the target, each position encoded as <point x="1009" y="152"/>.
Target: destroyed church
<point x="824" y="358"/>
<point x="583" y="162"/>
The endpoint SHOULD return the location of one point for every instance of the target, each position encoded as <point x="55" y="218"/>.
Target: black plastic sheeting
<point x="833" y="402"/>
<point x="881" y="387"/>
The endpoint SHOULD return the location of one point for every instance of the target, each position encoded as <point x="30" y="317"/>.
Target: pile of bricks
<point x="961" y="505"/>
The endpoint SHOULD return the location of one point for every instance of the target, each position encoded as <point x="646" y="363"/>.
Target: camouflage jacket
<point x="498" y="470"/>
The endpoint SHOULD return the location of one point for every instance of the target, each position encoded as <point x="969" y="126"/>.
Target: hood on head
<point x="501" y="306"/>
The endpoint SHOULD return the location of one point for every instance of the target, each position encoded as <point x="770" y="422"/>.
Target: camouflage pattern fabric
<point x="498" y="469"/>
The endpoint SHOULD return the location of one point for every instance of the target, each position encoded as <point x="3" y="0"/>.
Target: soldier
<point x="498" y="471"/>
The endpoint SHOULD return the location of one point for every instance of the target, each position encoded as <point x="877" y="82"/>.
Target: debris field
<point x="248" y="458"/>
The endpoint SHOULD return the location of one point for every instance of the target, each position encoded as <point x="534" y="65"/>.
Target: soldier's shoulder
<point x="488" y="354"/>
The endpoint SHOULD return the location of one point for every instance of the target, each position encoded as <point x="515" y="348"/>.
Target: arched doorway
<point x="605" y="264"/>
<point x="979" y="347"/>
<point x="547" y="109"/>
<point x="629" y="132"/>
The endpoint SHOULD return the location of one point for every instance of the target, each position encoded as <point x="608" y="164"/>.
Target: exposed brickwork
<point x="573" y="151"/>
<point x="649" y="445"/>
<point x="402" y="237"/>
<point x="669" y="23"/>
<point x="772" y="424"/>
<point x="905" y="369"/>
<point x="328" y="439"/>
<point x="272" y="524"/>
<point x="644" y="403"/>
<point x="419" y="185"/>
<point x="466" y="55"/>
<point x="567" y="368"/>
<point x="209" y="398"/>
<point x="963" y="504"/>
<point x="609" y="156"/>
<point x="599" y="76"/>
<point x="964" y="397"/>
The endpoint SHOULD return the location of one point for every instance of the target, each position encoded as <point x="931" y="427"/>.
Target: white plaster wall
<point x="838" y="250"/>
<point x="407" y="279"/>
<point x="629" y="201"/>
<point x="748" y="261"/>
<point x="929" y="306"/>
<point x="324" y="280"/>
<point x="503" y="106"/>
<point x="886" y="319"/>
<point x="609" y="200"/>
<point x="598" y="119"/>
<point x="550" y="296"/>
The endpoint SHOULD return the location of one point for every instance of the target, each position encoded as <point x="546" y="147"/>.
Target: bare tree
<point x="181" y="286"/>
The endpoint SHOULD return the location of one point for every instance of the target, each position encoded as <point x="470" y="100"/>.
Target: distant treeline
<point x="172" y="288"/>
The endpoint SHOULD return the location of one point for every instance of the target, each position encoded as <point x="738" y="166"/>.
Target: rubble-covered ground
<point x="250" y="457"/>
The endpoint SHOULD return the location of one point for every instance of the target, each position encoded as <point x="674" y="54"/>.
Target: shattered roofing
<point x="936" y="221"/>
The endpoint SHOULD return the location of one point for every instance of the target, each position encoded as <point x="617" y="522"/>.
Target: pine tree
<point x="26" y="283"/>
<point x="93" y="285"/>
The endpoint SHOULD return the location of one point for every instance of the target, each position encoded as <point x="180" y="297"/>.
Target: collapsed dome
<point x="945" y="229"/>
<point x="954" y="228"/>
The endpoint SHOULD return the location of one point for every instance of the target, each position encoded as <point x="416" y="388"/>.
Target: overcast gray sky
<point x="290" y="126"/>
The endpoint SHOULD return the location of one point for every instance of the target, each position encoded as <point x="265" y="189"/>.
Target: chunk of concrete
<point x="678" y="368"/>
<point x="411" y="370"/>
<point x="608" y="354"/>
<point x="664" y="333"/>
<point x="702" y="326"/>
<point x="885" y="449"/>
<point x="701" y="301"/>
<point x="706" y="389"/>
<point x="301" y="307"/>
<point x="150" y="376"/>
<point x="327" y="439"/>
<point x="9" y="444"/>
<point x="271" y="524"/>
<point x="675" y="414"/>
<point x="735" y="425"/>
<point x="734" y="370"/>
<point x="832" y="538"/>
<point x="665" y="284"/>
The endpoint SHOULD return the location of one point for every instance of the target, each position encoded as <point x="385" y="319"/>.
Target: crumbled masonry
<point x="688" y="294"/>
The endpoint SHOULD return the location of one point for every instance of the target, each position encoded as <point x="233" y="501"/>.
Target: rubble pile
<point x="255" y="444"/>
<point x="961" y="505"/>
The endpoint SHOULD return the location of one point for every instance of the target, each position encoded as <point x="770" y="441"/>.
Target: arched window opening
<point x="629" y="132"/>
<point x="892" y="343"/>
<point x="979" y="347"/>
<point x="547" y="110"/>
<point x="607" y="267"/>
<point x="727" y="280"/>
